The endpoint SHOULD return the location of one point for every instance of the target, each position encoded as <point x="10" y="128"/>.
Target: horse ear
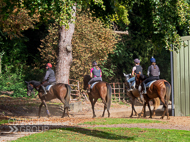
<point x="26" y="82"/>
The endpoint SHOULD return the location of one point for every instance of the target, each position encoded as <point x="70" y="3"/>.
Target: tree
<point x="91" y="41"/>
<point x="64" y="13"/>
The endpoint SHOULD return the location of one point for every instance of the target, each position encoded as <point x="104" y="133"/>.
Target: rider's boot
<point x="88" y="91"/>
<point x="144" y="89"/>
<point x="130" y="87"/>
<point x="45" y="93"/>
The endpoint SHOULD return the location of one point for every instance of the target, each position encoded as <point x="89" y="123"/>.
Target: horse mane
<point x="87" y="77"/>
<point x="143" y="77"/>
<point x="34" y="82"/>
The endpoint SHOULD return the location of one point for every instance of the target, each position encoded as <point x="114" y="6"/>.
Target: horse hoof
<point x="161" y="117"/>
<point x="94" y="116"/>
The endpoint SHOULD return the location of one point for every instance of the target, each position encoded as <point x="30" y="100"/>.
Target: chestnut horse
<point x="59" y="90"/>
<point x="160" y="88"/>
<point x="100" y="90"/>
<point x="134" y="94"/>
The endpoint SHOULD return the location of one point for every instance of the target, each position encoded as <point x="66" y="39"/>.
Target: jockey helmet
<point x="94" y="63"/>
<point x="137" y="61"/>
<point x="49" y="65"/>
<point x="153" y="60"/>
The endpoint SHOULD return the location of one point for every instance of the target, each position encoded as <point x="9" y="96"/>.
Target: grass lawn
<point x="108" y="134"/>
<point x="110" y="121"/>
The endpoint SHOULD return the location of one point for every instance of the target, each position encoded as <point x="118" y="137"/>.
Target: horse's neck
<point x="36" y="84"/>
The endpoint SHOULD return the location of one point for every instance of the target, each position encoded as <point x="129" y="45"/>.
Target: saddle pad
<point x="150" y="83"/>
<point x="93" y="85"/>
<point x="48" y="87"/>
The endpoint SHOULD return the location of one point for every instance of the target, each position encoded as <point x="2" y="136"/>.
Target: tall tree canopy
<point x="157" y="22"/>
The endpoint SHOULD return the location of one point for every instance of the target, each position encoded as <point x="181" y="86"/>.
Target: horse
<point x="60" y="90"/>
<point x="101" y="90"/>
<point x="134" y="94"/>
<point x="159" y="88"/>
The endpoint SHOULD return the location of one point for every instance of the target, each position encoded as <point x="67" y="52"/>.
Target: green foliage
<point x="13" y="82"/>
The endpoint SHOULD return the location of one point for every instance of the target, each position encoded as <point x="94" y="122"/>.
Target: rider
<point x="153" y="73"/>
<point x="137" y="69"/>
<point x="96" y="72"/>
<point x="49" y="77"/>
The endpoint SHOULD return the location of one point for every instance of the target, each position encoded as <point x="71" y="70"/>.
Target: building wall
<point x="182" y="78"/>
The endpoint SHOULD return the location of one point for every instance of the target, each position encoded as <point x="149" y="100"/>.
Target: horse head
<point x="127" y="76"/>
<point x="31" y="85"/>
<point x="139" y="78"/>
<point x="86" y="79"/>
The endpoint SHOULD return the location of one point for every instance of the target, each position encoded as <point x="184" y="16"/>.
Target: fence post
<point x="114" y="90"/>
<point x="119" y="91"/>
<point x="78" y="88"/>
<point x="124" y="91"/>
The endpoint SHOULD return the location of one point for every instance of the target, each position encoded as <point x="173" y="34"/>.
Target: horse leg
<point x="46" y="108"/>
<point x="40" y="109"/>
<point x="104" y="110"/>
<point x="165" y="108"/>
<point x="144" y="106"/>
<point x="65" y="108"/>
<point x="133" y="107"/>
<point x="105" y="107"/>
<point x="150" y="110"/>
<point x="93" y="103"/>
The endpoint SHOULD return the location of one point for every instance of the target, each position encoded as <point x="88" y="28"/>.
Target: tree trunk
<point x="64" y="59"/>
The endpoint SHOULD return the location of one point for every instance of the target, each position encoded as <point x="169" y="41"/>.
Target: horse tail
<point x="109" y="93"/>
<point x="67" y="99"/>
<point x="156" y="102"/>
<point x="168" y="91"/>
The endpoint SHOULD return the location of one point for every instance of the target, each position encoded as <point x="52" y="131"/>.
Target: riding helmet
<point x="49" y="65"/>
<point x="137" y="61"/>
<point x="94" y="63"/>
<point x="153" y="60"/>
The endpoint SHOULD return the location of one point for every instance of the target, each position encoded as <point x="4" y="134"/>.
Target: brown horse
<point x="60" y="91"/>
<point x="134" y="94"/>
<point x="100" y="90"/>
<point x="160" y="88"/>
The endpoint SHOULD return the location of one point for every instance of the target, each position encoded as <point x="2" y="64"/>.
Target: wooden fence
<point x="75" y="87"/>
<point x="119" y="91"/>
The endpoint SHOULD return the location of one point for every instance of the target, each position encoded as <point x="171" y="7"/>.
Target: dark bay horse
<point x="160" y="88"/>
<point x="59" y="90"/>
<point x="100" y="90"/>
<point x="134" y="94"/>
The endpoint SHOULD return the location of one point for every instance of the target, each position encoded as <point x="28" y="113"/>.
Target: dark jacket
<point x="50" y="76"/>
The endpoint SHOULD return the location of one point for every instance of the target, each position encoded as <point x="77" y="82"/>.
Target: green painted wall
<point x="182" y="78"/>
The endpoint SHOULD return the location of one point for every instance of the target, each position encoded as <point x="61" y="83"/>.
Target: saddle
<point x="49" y="86"/>
<point x="150" y="83"/>
<point x="92" y="85"/>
